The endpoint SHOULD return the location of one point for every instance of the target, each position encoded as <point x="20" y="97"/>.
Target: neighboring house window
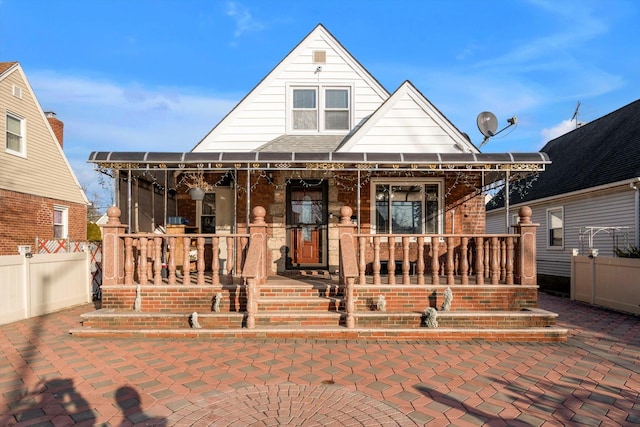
<point x="555" y="227"/>
<point x="320" y="109"/>
<point x="208" y="214"/>
<point x="60" y="222"/>
<point x="15" y="135"/>
<point x="408" y="208"/>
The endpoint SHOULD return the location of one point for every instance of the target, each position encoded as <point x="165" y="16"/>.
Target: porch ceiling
<point x="320" y="161"/>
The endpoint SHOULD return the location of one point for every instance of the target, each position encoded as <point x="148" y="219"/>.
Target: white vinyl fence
<point x="606" y="281"/>
<point x="32" y="285"/>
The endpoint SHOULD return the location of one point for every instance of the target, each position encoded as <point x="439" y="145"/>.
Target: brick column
<point x="348" y="262"/>
<point x="526" y="271"/>
<point x="113" y="249"/>
<point x="259" y="226"/>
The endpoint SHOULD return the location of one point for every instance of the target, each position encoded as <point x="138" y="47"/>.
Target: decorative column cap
<point x="345" y="214"/>
<point x="113" y="212"/>
<point x="258" y="215"/>
<point x="525" y="215"/>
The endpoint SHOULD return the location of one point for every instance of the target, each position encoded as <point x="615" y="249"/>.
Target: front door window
<point x="307" y="225"/>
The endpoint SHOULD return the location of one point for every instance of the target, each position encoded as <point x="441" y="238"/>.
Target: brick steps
<point x="312" y="307"/>
<point x="109" y="319"/>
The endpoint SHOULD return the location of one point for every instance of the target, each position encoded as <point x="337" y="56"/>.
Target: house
<point x="321" y="206"/>
<point x="40" y="197"/>
<point x="586" y="199"/>
<point x="317" y="133"/>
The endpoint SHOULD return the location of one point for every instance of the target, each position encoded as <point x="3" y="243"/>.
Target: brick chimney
<point x="56" y="125"/>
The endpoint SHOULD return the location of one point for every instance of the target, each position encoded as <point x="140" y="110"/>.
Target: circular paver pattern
<point x="295" y="405"/>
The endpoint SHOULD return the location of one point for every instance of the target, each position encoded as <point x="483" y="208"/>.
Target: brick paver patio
<point x="49" y="378"/>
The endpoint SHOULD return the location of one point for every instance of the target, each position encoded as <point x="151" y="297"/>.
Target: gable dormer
<point x="317" y="89"/>
<point x="408" y="123"/>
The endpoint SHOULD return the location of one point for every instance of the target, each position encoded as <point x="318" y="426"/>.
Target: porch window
<point x="555" y="222"/>
<point x="404" y="208"/>
<point x="320" y="109"/>
<point x="15" y="135"/>
<point x="60" y="222"/>
<point x="208" y="215"/>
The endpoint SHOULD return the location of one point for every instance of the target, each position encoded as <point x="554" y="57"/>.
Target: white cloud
<point x="245" y="22"/>
<point x="103" y="115"/>
<point x="558" y="130"/>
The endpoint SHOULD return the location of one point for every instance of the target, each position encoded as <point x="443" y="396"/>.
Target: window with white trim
<point x="60" y="222"/>
<point x="555" y="228"/>
<point x="407" y="207"/>
<point x="320" y="108"/>
<point x="15" y="135"/>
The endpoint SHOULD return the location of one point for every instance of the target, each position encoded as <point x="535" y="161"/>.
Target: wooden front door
<point x="306" y="221"/>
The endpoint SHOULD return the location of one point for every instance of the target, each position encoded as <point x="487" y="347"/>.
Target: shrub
<point x="93" y="232"/>
<point x="630" y="252"/>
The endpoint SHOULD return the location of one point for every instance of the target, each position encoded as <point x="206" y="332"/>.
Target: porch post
<point x="259" y="226"/>
<point x="113" y="249"/>
<point x="526" y="271"/>
<point x="348" y="262"/>
<point x="345" y="226"/>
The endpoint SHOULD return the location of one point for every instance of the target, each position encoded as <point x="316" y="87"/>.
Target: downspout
<point x="634" y="186"/>
<point x="506" y="200"/>
<point x="248" y="195"/>
<point x="129" y="202"/>
<point x="153" y="207"/>
<point x="358" y="202"/>
<point x="166" y="200"/>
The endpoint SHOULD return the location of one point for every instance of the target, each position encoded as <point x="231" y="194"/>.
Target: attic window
<point x="17" y="91"/>
<point x="319" y="56"/>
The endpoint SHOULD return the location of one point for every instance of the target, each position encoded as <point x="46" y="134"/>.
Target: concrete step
<point x="109" y="319"/>
<point x="552" y="334"/>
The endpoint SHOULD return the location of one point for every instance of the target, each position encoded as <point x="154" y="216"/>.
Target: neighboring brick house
<point x="40" y="197"/>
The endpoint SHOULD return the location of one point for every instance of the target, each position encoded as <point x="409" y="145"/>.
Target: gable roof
<point x="44" y="170"/>
<point x="318" y="38"/>
<point x="409" y="119"/>
<point x="604" y="151"/>
<point x="4" y="66"/>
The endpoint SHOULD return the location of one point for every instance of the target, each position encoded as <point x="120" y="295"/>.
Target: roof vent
<point x="319" y="56"/>
<point x="17" y="91"/>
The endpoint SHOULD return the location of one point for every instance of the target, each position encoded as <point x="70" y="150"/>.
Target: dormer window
<point x="305" y="109"/>
<point x="320" y="109"/>
<point x="336" y="109"/>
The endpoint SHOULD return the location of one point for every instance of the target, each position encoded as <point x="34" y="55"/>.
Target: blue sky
<point x="143" y="75"/>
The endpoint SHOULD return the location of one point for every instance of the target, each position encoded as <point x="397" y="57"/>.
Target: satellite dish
<point x="487" y="123"/>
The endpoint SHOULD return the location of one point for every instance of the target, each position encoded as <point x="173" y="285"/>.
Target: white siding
<point x="262" y="115"/>
<point x="611" y="208"/>
<point x="408" y="123"/>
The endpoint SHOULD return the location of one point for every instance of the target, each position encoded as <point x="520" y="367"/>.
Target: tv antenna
<point x="488" y="124"/>
<point x="575" y="115"/>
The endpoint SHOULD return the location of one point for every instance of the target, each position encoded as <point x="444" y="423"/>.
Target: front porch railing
<point x="447" y="258"/>
<point x="156" y="259"/>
